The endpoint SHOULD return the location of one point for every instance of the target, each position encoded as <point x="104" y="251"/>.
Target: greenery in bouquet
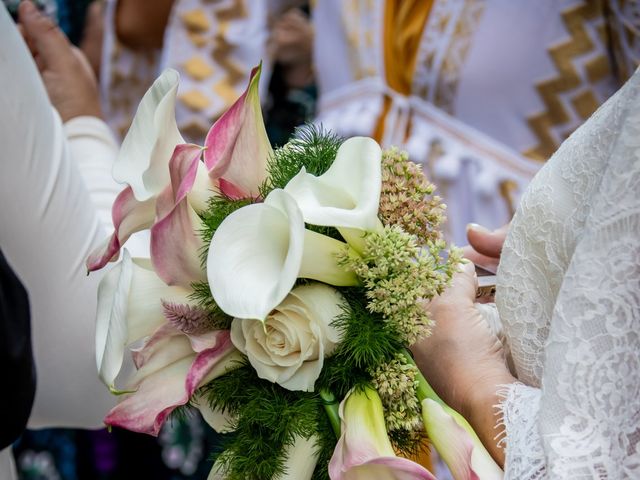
<point x="282" y="294"/>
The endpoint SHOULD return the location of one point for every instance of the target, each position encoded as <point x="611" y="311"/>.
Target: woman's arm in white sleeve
<point x="48" y="226"/>
<point x="585" y="420"/>
<point x="94" y="150"/>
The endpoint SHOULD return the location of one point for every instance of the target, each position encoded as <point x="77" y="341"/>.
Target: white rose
<point x="290" y="347"/>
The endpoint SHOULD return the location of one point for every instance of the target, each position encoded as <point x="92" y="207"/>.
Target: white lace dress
<point x="569" y="301"/>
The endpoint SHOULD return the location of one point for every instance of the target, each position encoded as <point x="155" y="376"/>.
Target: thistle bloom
<point x="364" y="451"/>
<point x="259" y="251"/>
<point x="290" y="347"/>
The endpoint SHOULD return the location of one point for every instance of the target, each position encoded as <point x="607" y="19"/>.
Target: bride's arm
<point x="463" y="360"/>
<point x="584" y="420"/>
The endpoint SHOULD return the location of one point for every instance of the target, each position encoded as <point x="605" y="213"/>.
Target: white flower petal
<point x="348" y="194"/>
<point x="129" y="308"/>
<point x="111" y="321"/>
<point x="325" y="303"/>
<point x="147" y="148"/>
<point x="303" y="378"/>
<point x="301" y="459"/>
<point x="258" y="252"/>
<point x="255" y="256"/>
<point x="290" y="346"/>
<point x="451" y="441"/>
<point x="364" y="449"/>
<point x="220" y="422"/>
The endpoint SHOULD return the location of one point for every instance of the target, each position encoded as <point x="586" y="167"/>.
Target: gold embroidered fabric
<point x="404" y="22"/>
<point x="567" y="57"/>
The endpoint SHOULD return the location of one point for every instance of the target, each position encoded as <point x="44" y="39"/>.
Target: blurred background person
<point x="480" y="92"/>
<point x="214" y="46"/>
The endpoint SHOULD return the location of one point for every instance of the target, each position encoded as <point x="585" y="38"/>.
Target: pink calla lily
<point x="235" y="158"/>
<point x="364" y="451"/>
<point x="460" y="448"/>
<point x="175" y="242"/>
<point x="129" y="216"/>
<point x="142" y="164"/>
<point x="129" y="308"/>
<point x="237" y="146"/>
<point x="169" y="372"/>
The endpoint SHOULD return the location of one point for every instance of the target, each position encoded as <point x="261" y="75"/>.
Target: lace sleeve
<point x="584" y="422"/>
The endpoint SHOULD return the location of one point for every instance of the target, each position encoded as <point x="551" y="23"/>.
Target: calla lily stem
<point x="331" y="408"/>
<point x="426" y="391"/>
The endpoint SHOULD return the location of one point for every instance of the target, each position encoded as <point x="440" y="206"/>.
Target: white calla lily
<point x="301" y="459"/>
<point x="151" y="139"/>
<point x="259" y="251"/>
<point x="129" y="308"/>
<point x="347" y="196"/>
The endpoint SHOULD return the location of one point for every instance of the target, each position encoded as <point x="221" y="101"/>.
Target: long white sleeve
<point x="585" y="421"/>
<point x="48" y="225"/>
<point x="94" y="149"/>
<point x="570" y="300"/>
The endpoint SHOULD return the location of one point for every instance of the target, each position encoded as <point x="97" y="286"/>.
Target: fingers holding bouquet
<point x="463" y="359"/>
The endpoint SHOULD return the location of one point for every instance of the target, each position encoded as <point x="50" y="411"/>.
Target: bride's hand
<point x="485" y="246"/>
<point x="462" y="360"/>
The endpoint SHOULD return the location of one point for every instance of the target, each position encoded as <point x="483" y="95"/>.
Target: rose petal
<point x="301" y="320"/>
<point x="326" y="304"/>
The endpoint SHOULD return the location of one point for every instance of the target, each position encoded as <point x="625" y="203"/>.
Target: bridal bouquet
<point x="282" y="292"/>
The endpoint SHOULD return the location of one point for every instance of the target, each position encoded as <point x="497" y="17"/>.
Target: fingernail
<point x="28" y="8"/>
<point x="477" y="228"/>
